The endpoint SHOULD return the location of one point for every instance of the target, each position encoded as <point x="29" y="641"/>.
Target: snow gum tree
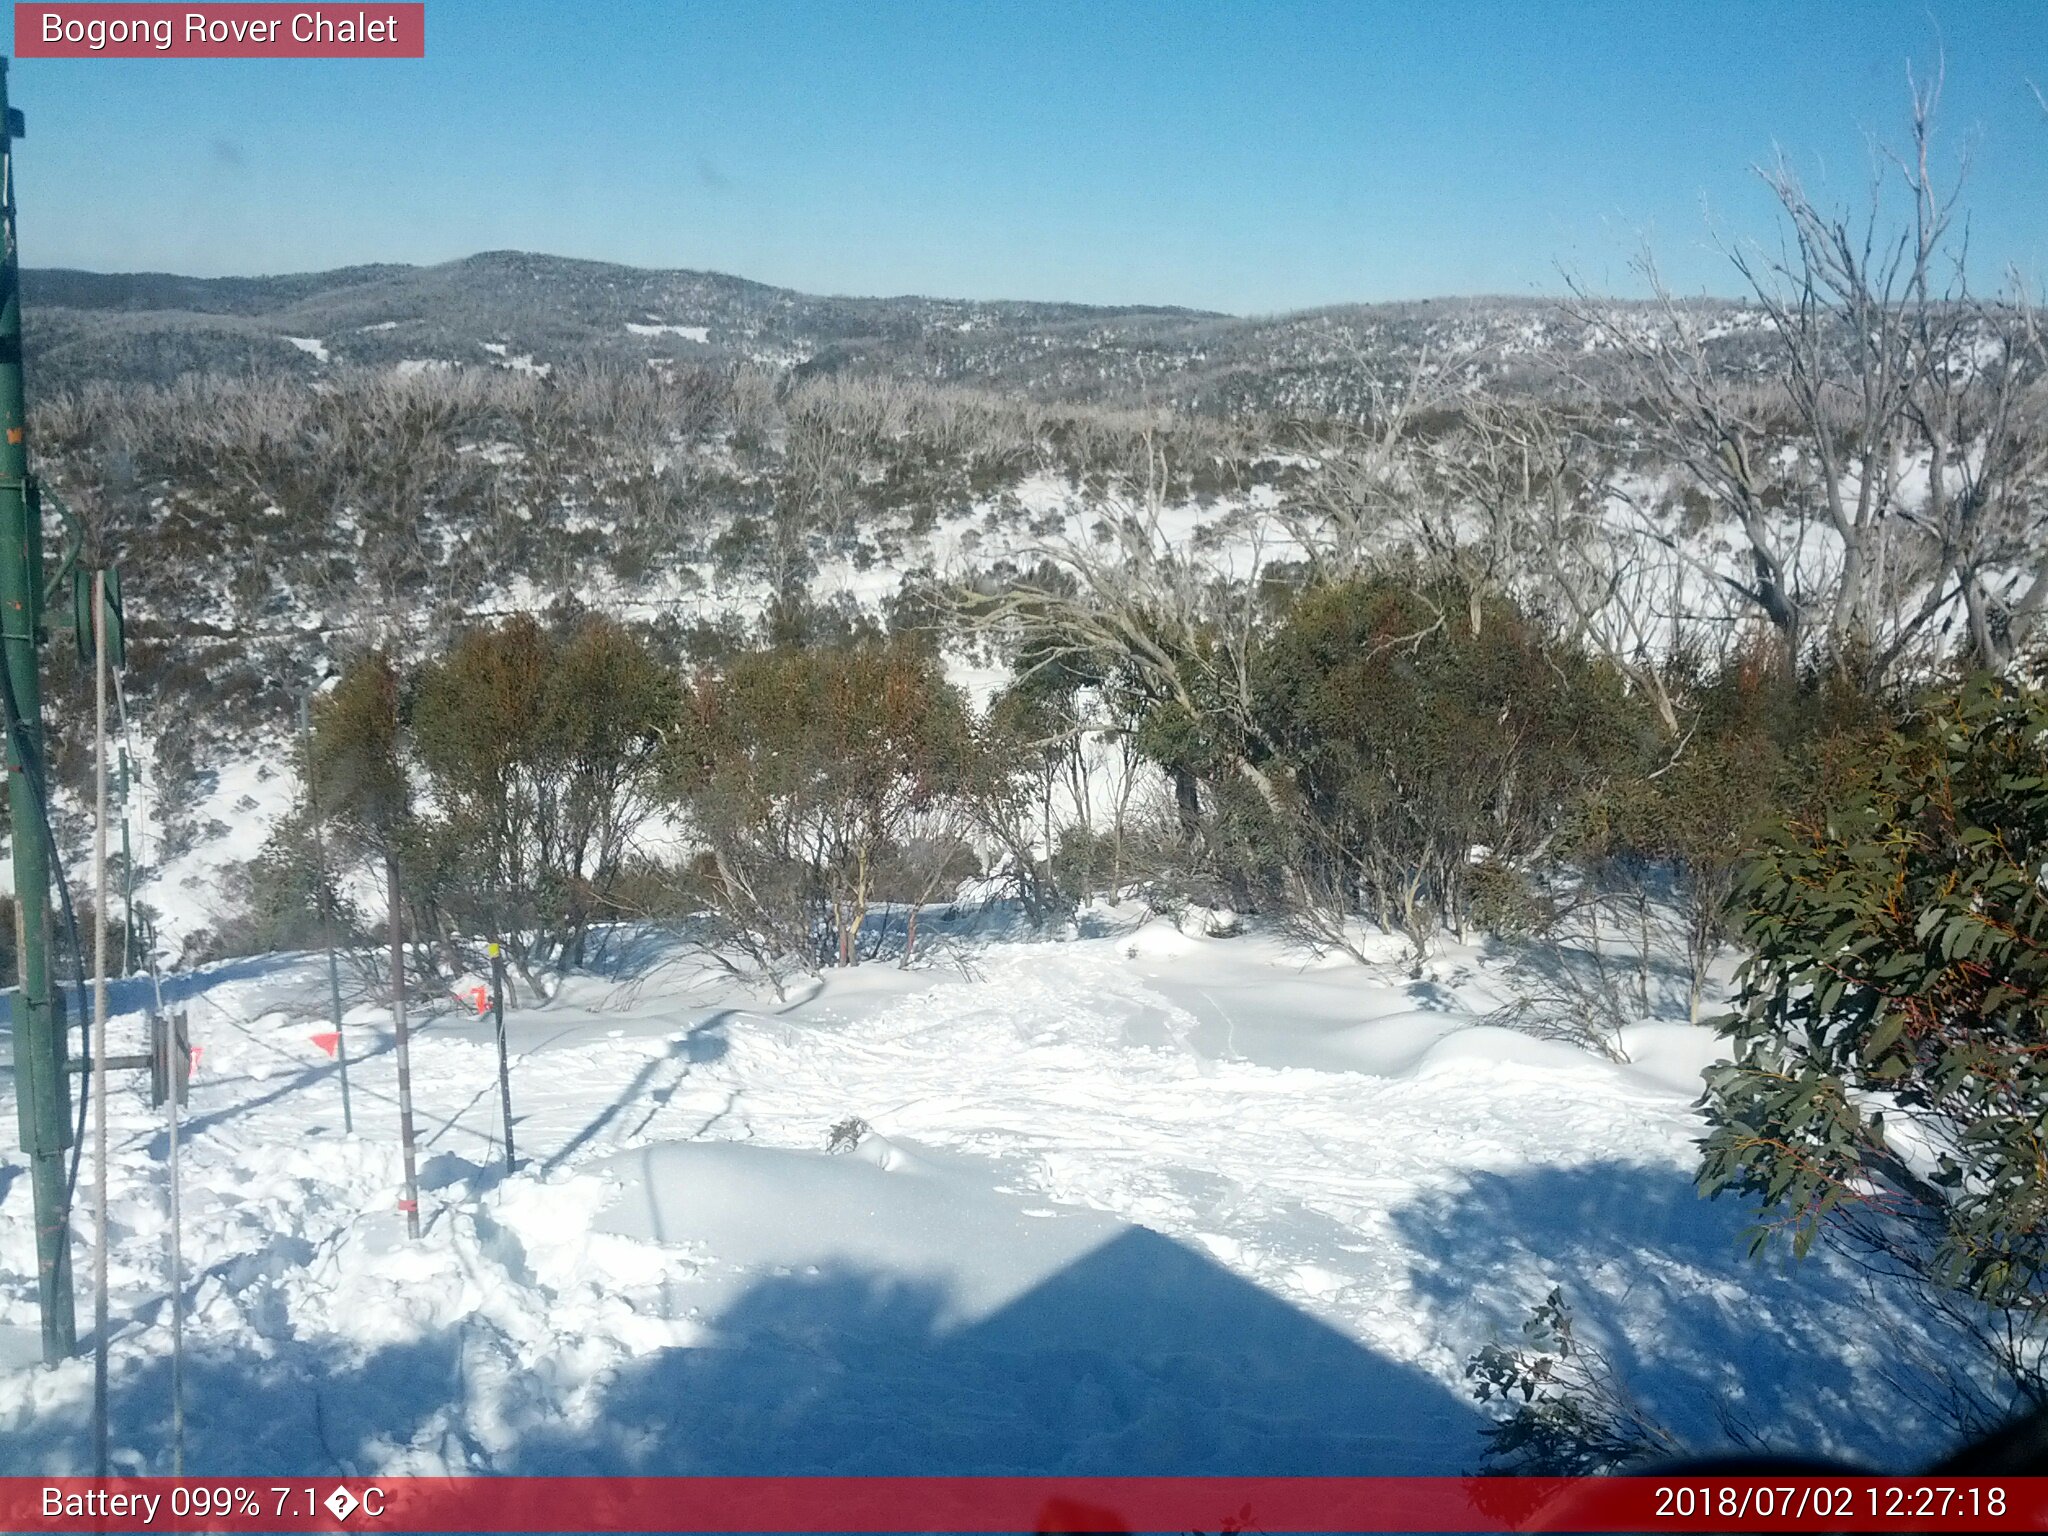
<point x="1883" y="465"/>
<point x="805" y="773"/>
<point x="1410" y="744"/>
<point x="1682" y="825"/>
<point x="358" y="768"/>
<point x="507" y="780"/>
<point x="539" y="747"/>
<point x="361" y="778"/>
<point x="1889" y="1081"/>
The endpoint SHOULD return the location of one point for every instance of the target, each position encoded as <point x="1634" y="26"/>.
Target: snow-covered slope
<point x="1134" y="1202"/>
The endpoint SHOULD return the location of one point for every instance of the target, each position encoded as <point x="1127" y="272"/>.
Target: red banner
<point x="93" y="31"/>
<point x="1023" y="1504"/>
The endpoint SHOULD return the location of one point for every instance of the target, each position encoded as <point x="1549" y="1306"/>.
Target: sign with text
<point x="241" y="31"/>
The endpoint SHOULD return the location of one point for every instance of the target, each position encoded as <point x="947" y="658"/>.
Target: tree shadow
<point x="1810" y="1356"/>
<point x="299" y="1080"/>
<point x="704" y="1042"/>
<point x="1567" y="966"/>
<point x="942" y="928"/>
<point x="249" y="1410"/>
<point x="133" y="994"/>
<point x="627" y="952"/>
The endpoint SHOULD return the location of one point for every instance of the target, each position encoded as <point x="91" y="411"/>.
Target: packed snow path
<point x="1136" y="1202"/>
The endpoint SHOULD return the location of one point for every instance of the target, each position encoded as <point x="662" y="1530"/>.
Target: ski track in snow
<point x="1093" y="1230"/>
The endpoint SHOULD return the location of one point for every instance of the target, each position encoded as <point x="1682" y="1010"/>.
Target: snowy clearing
<point x="697" y="333"/>
<point x="1134" y="1202"/>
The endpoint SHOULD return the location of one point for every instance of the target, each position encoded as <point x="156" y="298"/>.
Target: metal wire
<point x="99" y="1026"/>
<point x="175" y="1231"/>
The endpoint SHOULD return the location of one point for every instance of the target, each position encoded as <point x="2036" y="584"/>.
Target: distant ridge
<point x="516" y="308"/>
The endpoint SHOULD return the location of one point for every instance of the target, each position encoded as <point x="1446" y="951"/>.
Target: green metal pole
<point x="42" y="1094"/>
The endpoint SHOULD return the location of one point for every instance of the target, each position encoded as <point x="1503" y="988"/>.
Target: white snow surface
<point x="1138" y="1201"/>
<point x="697" y="333"/>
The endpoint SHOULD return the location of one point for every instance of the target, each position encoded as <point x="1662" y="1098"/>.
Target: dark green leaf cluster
<point x="1566" y="1413"/>
<point x="820" y="782"/>
<point x="1889" y="1078"/>
<point x="539" y="745"/>
<point x="505" y="778"/>
<point x="1414" y="736"/>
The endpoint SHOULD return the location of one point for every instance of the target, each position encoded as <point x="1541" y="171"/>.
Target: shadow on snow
<point x="1804" y="1356"/>
<point x="1141" y="1357"/>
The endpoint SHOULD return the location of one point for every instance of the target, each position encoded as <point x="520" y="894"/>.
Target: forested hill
<point x="515" y="310"/>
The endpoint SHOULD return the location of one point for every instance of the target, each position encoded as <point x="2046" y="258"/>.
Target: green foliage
<point x="1504" y="902"/>
<point x="539" y="747"/>
<point x="1413" y="737"/>
<point x="1889" y="1080"/>
<point x="1758" y="741"/>
<point x="534" y="747"/>
<point x="358" y="772"/>
<point x="275" y="898"/>
<point x="1031" y="743"/>
<point x="812" y="776"/>
<point x="1566" y="1413"/>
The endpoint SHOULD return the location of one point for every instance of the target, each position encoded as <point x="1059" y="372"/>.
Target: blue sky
<point x="1245" y="157"/>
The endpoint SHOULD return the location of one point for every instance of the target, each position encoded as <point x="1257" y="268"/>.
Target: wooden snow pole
<point x="411" y="1203"/>
<point x="504" y="1066"/>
